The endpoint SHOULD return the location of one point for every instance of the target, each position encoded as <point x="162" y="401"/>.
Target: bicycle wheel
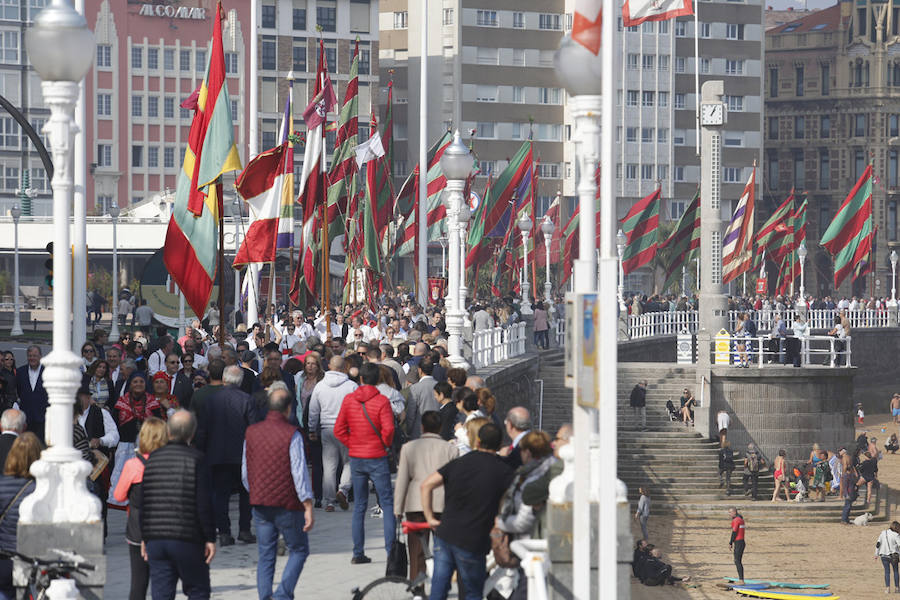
<point x="387" y="588"/>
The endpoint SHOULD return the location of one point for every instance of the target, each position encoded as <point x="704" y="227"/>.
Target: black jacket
<point x="6" y="442"/>
<point x="184" y="388"/>
<point x="638" y="396"/>
<point x="448" y="414"/>
<point x="222" y="424"/>
<point x="177" y="502"/>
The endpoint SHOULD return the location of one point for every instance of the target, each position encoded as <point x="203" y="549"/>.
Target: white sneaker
<point x="375" y="513"/>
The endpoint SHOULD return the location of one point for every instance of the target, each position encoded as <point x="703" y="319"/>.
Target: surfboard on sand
<point x="782" y="584"/>
<point x="786" y="595"/>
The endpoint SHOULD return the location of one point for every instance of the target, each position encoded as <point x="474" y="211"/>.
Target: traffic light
<point x="48" y="279"/>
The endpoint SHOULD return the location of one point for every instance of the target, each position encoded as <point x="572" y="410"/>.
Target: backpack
<point x="753" y="462"/>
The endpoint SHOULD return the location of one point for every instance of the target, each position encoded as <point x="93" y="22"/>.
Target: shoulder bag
<point x="392" y="459"/>
<point x="13" y="501"/>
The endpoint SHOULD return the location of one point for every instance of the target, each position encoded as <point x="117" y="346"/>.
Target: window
<point x="268" y="54"/>
<point x="676" y="209"/>
<point x="632" y="98"/>
<point x="487" y="56"/>
<point x="648" y="98"/>
<point x="104" y="55"/>
<point x="359" y="17"/>
<point x="548" y="170"/>
<point x="11" y="179"/>
<point x="825" y="126"/>
<point x="231" y="63"/>
<point x="518" y="20"/>
<point x="487" y="18"/>
<point x="518" y="57"/>
<point x="137" y="57"/>
<point x="631" y="134"/>
<point x="892" y="169"/>
<point x="184" y="60"/>
<point x="678" y="173"/>
<point x="647" y="172"/>
<point x="799" y="171"/>
<point x="679" y="100"/>
<point x="547" y="132"/>
<point x="137" y="156"/>
<point x="773" y="83"/>
<point x="859" y="163"/>
<point x="365" y="62"/>
<point x="678" y="137"/>
<point x="104" y="105"/>
<point x="169" y="59"/>
<point x="662" y="99"/>
<point x="824" y="170"/>
<point x="549" y="96"/>
<point x="772" y="173"/>
<point x="798" y="81"/>
<point x="299" y="19"/>
<point x="734" y="32"/>
<point x="9" y="133"/>
<point x="734" y="141"/>
<point x="799" y="128"/>
<point x="680" y="28"/>
<point x="331" y="58"/>
<point x="679" y="64"/>
<point x="649" y="61"/>
<point x="518" y="94"/>
<point x="859" y="125"/>
<point x="200" y="65"/>
<point x="664" y="27"/>
<point x="169" y="107"/>
<point x="153" y="157"/>
<point x="704" y="65"/>
<point x="137" y="106"/>
<point x="401" y="19"/>
<point x="299" y="56"/>
<point x="647" y="27"/>
<point x="485" y="130"/>
<point x="734" y="67"/>
<point x="631" y="171"/>
<point x="152" y="106"/>
<point x="773" y="128"/>
<point x="892" y="129"/>
<point x="104" y="155"/>
<point x="825" y="76"/>
<point x="184" y="113"/>
<point x="267" y="19"/>
<point x="486" y="93"/>
<point x="704" y="30"/>
<point x="735" y="103"/>
<point x="548" y="21"/>
<point x="152" y="58"/>
<point x="731" y="174"/>
<point x="326" y="17"/>
<point x="632" y="62"/>
<point x="234" y="109"/>
<point x="647" y="134"/>
<point x="663" y="62"/>
<point x="892" y="221"/>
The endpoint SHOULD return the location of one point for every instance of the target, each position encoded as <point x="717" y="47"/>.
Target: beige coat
<point x="419" y="459"/>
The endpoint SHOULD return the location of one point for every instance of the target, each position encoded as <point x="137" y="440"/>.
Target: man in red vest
<point x="274" y="471"/>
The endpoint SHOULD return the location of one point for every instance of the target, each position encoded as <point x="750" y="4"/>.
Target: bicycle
<point x="400" y="588"/>
<point x="42" y="571"/>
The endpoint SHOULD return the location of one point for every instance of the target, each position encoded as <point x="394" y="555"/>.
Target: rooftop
<point x="825" y="20"/>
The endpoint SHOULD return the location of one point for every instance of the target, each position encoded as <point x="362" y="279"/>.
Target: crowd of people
<point x="292" y="418"/>
<point x="642" y="303"/>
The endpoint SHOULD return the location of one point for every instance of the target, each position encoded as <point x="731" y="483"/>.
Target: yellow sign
<point x="723" y="347"/>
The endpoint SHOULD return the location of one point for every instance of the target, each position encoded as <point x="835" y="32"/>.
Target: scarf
<point x="138" y="409"/>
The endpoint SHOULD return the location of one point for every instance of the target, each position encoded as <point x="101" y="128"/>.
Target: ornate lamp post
<point x="464" y="216"/>
<point x="524" y="224"/>
<point x="114" y="212"/>
<point x="16" y="213"/>
<point x="443" y="241"/>
<point x="893" y="276"/>
<point x="456" y="164"/>
<point x="547" y="228"/>
<point x="802" y="254"/>
<point x="620" y="250"/>
<point x="61" y="49"/>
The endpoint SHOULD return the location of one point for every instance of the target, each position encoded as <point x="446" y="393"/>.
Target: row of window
<point x="517" y="94"/>
<point x="647" y="134"/>
<point x="824" y="79"/>
<point x="733" y="31"/>
<point x="269" y="56"/>
<point x="143" y="156"/>
<point x="326" y="17"/>
<point x="647" y="62"/>
<point x="858" y="126"/>
<point x="151" y="58"/>
<point x="648" y="172"/>
<point x="543" y="170"/>
<point x="10" y="9"/>
<point x="10" y="178"/>
<point x="490" y="18"/>
<point x="798" y="161"/>
<point x="11" y="133"/>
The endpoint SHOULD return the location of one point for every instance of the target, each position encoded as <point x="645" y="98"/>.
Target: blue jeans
<point x="362" y="470"/>
<point x="887" y="564"/>
<point x="171" y="560"/>
<point x="469" y="566"/>
<point x="270" y="521"/>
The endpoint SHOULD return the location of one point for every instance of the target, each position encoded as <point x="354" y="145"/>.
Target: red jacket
<point x="353" y="429"/>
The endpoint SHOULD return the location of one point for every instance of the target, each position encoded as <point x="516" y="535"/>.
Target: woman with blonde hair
<point x="472" y="426"/>
<point x="16" y="484"/>
<point x="151" y="436"/>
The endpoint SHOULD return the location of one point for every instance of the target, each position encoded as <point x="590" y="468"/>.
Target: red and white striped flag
<point x="635" y="12"/>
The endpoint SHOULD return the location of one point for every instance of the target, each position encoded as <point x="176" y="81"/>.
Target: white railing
<point x="662" y="323"/>
<point x="560" y="332"/>
<point x="490" y="346"/>
<point x="762" y="350"/>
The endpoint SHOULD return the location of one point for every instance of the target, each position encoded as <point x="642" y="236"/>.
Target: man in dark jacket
<point x="220" y="436"/>
<point x="30" y="389"/>
<point x="639" y="402"/>
<point x="176" y="519"/>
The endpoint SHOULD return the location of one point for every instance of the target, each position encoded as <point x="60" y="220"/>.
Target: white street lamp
<point x="620" y="250"/>
<point x="547" y="228"/>
<point x="61" y="49"/>
<point x="465" y="215"/>
<point x="893" y="276"/>
<point x="801" y="254"/>
<point x="525" y="225"/>
<point x="16" y="213"/>
<point x="456" y="164"/>
<point x="443" y="242"/>
<point x="114" y="212"/>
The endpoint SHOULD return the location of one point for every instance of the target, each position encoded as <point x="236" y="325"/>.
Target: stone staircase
<point x="557" y="407"/>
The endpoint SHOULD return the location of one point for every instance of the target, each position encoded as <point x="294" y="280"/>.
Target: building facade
<point x="833" y="106"/>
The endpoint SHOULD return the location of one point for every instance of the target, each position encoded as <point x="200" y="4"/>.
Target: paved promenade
<point x="327" y="575"/>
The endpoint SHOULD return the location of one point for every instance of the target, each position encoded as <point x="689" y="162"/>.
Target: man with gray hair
<point x="12" y="424"/>
<point x="226" y="416"/>
<point x="518" y="423"/>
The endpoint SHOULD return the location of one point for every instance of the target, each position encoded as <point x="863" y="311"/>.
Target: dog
<point x="862" y="520"/>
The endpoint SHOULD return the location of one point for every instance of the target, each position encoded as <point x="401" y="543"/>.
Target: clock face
<point x="712" y="114"/>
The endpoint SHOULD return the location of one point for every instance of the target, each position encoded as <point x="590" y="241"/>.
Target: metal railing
<point x="490" y="346"/>
<point x="763" y="350"/>
<point x="560" y="332"/>
<point x="662" y="323"/>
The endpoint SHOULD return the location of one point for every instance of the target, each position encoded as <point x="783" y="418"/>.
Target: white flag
<point x="369" y="149"/>
<point x="635" y="12"/>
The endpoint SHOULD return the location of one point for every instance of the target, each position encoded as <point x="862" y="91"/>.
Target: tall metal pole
<point x="236" y="216"/>
<point x="463" y="219"/>
<point x="114" y="327"/>
<point x="250" y="272"/>
<point x="79" y="240"/>
<point x="422" y="237"/>
<point x="17" y="322"/>
<point x="547" y="285"/>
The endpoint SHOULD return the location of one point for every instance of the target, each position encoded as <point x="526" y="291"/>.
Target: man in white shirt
<point x="143" y="314"/>
<point x="200" y="361"/>
<point x="157" y="360"/>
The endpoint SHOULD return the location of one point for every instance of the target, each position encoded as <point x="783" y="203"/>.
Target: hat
<point x="161" y="375"/>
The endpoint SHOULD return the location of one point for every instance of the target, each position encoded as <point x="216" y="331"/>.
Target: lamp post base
<point x="16" y="328"/>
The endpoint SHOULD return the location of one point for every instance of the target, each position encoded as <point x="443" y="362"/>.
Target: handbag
<point x="895" y="558"/>
<point x="13" y="501"/>
<point x="392" y="462"/>
<point x="503" y="556"/>
<point x="397" y="562"/>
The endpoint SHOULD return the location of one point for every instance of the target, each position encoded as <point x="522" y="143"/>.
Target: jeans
<point x="226" y="480"/>
<point x="470" y="568"/>
<point x="270" y="521"/>
<point x="315" y="461"/>
<point x="845" y="513"/>
<point x="542" y="338"/>
<point x="334" y="455"/>
<point x="751" y="483"/>
<point x="140" y="574"/>
<point x="171" y="560"/>
<point x="643" y="520"/>
<point x="642" y="411"/>
<point x="887" y="564"/>
<point x="362" y="471"/>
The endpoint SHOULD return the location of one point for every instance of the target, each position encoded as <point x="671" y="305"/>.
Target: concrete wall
<point x="655" y="349"/>
<point x="512" y="383"/>
<point x="784" y="407"/>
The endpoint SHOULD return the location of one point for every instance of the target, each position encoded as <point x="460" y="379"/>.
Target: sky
<point x="798" y="5"/>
